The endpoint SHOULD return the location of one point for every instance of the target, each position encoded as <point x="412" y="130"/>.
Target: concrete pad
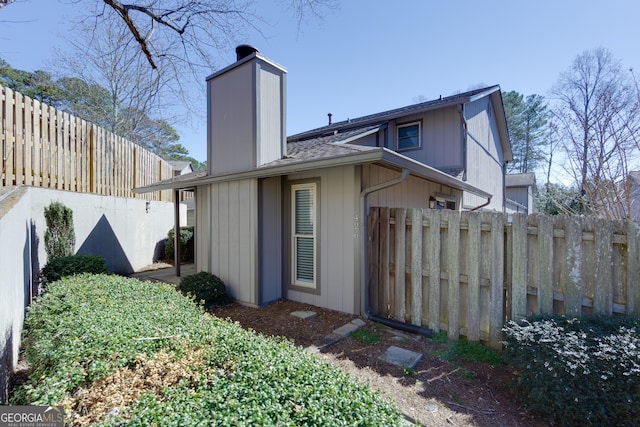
<point x="304" y="314"/>
<point x="359" y="322"/>
<point x="401" y="357"/>
<point x="346" y="330"/>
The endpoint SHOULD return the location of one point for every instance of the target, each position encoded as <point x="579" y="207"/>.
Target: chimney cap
<point x="244" y="50"/>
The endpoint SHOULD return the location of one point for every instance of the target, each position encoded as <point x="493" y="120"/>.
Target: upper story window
<point x="409" y="136"/>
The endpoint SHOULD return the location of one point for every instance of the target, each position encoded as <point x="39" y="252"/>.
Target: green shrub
<point x="60" y="238"/>
<point x="205" y="287"/>
<point x="58" y="268"/>
<point x="87" y="327"/>
<point x="578" y="372"/>
<point x="186" y="244"/>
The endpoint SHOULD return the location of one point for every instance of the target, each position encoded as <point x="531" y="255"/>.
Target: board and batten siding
<point x="485" y="165"/>
<point x="270" y="239"/>
<point x="441" y="138"/>
<point x="412" y="193"/>
<point x="271" y="126"/>
<point x="338" y="232"/>
<point x="231" y="126"/>
<point x="232" y="235"/>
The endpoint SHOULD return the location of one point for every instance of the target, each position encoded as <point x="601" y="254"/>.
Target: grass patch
<point x="470" y="351"/>
<point x="100" y="342"/>
<point x="366" y="337"/>
<point x="440" y="337"/>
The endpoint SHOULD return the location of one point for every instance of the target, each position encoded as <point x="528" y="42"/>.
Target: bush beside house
<point x="186" y="244"/>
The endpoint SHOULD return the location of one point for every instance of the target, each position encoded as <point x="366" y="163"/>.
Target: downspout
<point x="482" y="205"/>
<point x="464" y="141"/>
<point x="407" y="327"/>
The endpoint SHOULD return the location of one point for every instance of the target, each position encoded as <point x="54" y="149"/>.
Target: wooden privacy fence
<point x="468" y="272"/>
<point x="44" y="147"/>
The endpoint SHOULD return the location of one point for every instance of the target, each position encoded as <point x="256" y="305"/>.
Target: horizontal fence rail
<point x="44" y="147"/>
<point x="468" y="272"/>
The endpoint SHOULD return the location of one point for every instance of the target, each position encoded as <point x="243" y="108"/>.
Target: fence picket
<point x="545" y="267"/>
<point x="400" y="263"/>
<point x="532" y="251"/>
<point x="603" y="294"/>
<point x="433" y="246"/>
<point x="416" y="267"/>
<point x="45" y="147"/>
<point x="519" y="267"/>
<point x="9" y="137"/>
<point x="18" y="158"/>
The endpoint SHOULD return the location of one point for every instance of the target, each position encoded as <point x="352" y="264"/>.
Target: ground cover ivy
<point x="578" y="372"/>
<point x="118" y="351"/>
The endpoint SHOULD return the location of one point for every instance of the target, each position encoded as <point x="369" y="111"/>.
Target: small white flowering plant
<point x="574" y="371"/>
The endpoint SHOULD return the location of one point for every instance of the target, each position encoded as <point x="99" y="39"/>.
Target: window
<point x="409" y="136"/>
<point x="442" y="202"/>
<point x="303" y="197"/>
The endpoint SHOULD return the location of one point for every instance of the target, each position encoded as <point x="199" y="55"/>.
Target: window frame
<point x="406" y="125"/>
<point x="443" y="202"/>
<point x="295" y="282"/>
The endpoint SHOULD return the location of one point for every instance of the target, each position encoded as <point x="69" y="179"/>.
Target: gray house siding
<point x="412" y="193"/>
<point x="485" y="165"/>
<point x="338" y="262"/>
<point x="270" y="239"/>
<point x="231" y="108"/>
<point x="232" y="236"/>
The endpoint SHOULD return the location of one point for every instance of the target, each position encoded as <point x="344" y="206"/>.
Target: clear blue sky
<point x="374" y="55"/>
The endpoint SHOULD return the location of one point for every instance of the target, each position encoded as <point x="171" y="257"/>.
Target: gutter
<point x="407" y="327"/>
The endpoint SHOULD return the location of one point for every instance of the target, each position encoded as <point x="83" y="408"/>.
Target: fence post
<point x="453" y="272"/>
<point x="9" y="137"/>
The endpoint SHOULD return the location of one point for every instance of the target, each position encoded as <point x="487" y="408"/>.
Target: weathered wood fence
<point x="468" y="272"/>
<point x="44" y="147"/>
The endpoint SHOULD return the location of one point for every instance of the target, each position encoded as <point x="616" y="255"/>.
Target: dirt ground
<point x="436" y="393"/>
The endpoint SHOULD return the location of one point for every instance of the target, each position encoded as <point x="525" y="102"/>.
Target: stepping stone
<point x="401" y="357"/>
<point x="346" y="330"/>
<point x="359" y="322"/>
<point x="304" y="314"/>
<point x="328" y="340"/>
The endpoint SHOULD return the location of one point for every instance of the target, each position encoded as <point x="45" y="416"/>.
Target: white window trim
<point x="294" y="274"/>
<point x="403" y="125"/>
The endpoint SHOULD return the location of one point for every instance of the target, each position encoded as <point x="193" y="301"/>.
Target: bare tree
<point x="598" y="116"/>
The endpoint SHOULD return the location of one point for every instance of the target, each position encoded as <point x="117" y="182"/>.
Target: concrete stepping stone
<point x="304" y="314"/>
<point x="346" y="330"/>
<point x="401" y="357"/>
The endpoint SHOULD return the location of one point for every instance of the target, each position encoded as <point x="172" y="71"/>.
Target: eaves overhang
<point x="382" y="156"/>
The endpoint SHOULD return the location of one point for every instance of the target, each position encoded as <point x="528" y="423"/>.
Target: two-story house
<point x="280" y="217"/>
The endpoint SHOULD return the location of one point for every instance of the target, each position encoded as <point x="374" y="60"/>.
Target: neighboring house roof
<point x="520" y="180"/>
<point x="178" y="165"/>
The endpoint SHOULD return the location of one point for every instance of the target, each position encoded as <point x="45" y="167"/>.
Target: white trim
<point x="294" y="236"/>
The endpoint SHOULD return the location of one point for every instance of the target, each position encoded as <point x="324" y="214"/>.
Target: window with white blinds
<point x="304" y="225"/>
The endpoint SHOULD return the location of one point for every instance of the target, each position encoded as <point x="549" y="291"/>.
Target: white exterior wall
<point x="485" y="159"/>
<point x="118" y="229"/>
<point x="338" y="257"/>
